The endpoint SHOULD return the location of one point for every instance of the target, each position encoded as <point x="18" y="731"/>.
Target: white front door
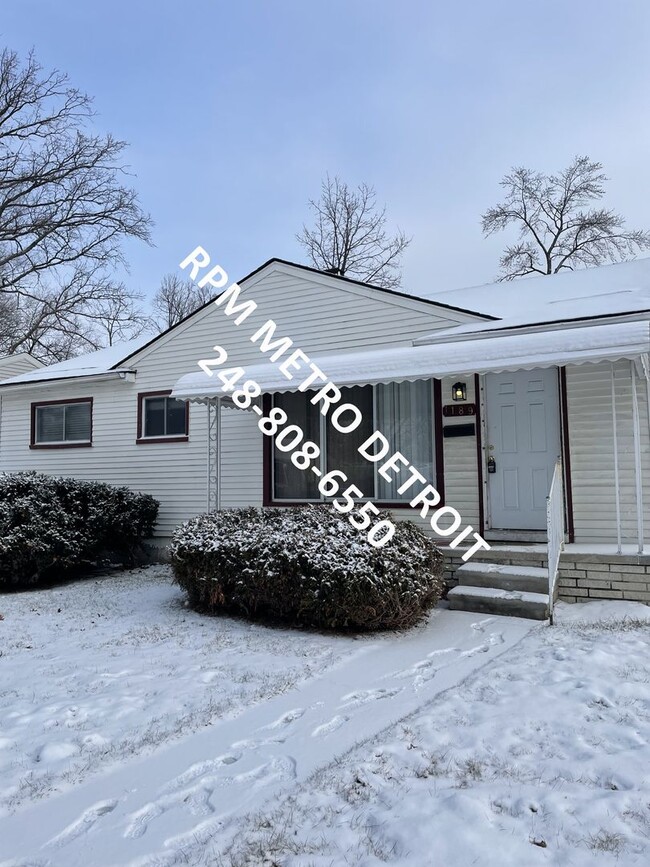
<point x="523" y="444"/>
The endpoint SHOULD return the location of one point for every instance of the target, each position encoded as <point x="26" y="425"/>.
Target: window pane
<point x="77" y="422"/>
<point x="154" y="416"/>
<point x="290" y="483"/>
<point x="405" y="417"/>
<point x="342" y="448"/>
<point x="175" y="417"/>
<point x="49" y="424"/>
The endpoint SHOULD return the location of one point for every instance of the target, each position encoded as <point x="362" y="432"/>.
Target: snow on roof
<point x="608" y="290"/>
<point x="408" y="363"/>
<point x="90" y="364"/>
<point x="589" y="293"/>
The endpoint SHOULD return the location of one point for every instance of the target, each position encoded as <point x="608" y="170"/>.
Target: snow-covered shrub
<point x="306" y="565"/>
<point x="51" y="527"/>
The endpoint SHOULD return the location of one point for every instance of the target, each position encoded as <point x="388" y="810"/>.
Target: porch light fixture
<point x="459" y="391"/>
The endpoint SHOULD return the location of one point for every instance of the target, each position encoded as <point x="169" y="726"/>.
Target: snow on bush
<point x="51" y="527"/>
<point x="306" y="565"/>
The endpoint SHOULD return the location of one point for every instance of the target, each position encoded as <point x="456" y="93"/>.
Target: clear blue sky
<point x="234" y="111"/>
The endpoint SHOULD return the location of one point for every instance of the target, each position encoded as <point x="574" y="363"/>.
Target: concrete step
<point x="531" y="579"/>
<point x="490" y="600"/>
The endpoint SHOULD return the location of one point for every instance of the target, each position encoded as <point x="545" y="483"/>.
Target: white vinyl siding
<point x="321" y="315"/>
<point x="14" y="365"/>
<point x="320" y="318"/>
<point x="592" y="452"/>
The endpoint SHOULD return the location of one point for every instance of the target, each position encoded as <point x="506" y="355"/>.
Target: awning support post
<point x="617" y="490"/>
<point x="214" y="454"/>
<point x="637" y="460"/>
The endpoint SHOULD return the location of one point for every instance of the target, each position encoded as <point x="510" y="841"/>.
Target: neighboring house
<point x="13" y="365"/>
<point x="545" y="369"/>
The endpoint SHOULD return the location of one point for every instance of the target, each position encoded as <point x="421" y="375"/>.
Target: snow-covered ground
<point x="96" y="672"/>
<point x="541" y="758"/>
<point x="136" y="732"/>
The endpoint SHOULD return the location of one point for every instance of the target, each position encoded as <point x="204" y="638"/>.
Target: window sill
<point x="146" y="441"/>
<point x="60" y="445"/>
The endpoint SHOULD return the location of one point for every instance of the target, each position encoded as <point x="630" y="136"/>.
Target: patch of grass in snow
<point x="371" y="839"/>
<point x="471" y="769"/>
<point x="622" y="624"/>
<point x="32" y="786"/>
<point x="271" y="838"/>
<point x="606" y="841"/>
<point x="639" y="818"/>
<point x="434" y="765"/>
<point x="634" y="673"/>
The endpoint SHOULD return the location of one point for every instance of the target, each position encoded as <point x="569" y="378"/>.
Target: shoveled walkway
<point x="158" y="809"/>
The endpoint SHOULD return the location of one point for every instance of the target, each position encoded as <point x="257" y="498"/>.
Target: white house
<point x="544" y="370"/>
<point x="13" y="365"/>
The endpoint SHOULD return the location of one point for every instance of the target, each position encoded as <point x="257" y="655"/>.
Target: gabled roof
<point x="115" y="359"/>
<point x="426" y="298"/>
<point x="421" y="299"/>
<point x="21" y="356"/>
<point x="571" y="296"/>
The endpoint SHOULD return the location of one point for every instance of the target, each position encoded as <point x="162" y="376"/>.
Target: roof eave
<point x="530" y="328"/>
<point x="122" y="374"/>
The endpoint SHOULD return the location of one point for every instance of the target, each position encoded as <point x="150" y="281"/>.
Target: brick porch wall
<point x="582" y="576"/>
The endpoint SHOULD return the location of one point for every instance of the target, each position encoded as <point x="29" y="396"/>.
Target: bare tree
<point x="557" y="228"/>
<point x="64" y="211"/>
<point x="349" y="236"/>
<point x="177" y="298"/>
<point x="118" y="316"/>
<point x="85" y="312"/>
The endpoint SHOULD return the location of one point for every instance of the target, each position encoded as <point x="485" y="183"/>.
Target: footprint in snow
<point x="480" y="625"/>
<point x="354" y="699"/>
<point x="84" y="823"/>
<point x="329" y="727"/>
<point x="480" y="648"/>
<point x="198" y="802"/>
<point x="286" y="718"/>
<point x="200" y="769"/>
<point x="139" y="821"/>
<point x="196" y="799"/>
<point x="442" y="652"/>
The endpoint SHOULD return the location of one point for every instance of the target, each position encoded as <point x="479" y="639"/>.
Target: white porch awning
<point x="593" y="343"/>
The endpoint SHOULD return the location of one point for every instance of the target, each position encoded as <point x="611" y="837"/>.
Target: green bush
<point x="52" y="527"/>
<point x="307" y="566"/>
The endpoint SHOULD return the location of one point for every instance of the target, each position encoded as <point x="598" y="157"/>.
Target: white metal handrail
<point x="555" y="533"/>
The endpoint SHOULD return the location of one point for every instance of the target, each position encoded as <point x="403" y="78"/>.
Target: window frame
<point x="63" y="444"/>
<point x="268" y="498"/>
<point x="141" y="439"/>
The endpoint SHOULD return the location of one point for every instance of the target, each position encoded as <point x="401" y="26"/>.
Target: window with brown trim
<point x="161" y="418"/>
<point x="407" y="413"/>
<point x="60" y="424"/>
